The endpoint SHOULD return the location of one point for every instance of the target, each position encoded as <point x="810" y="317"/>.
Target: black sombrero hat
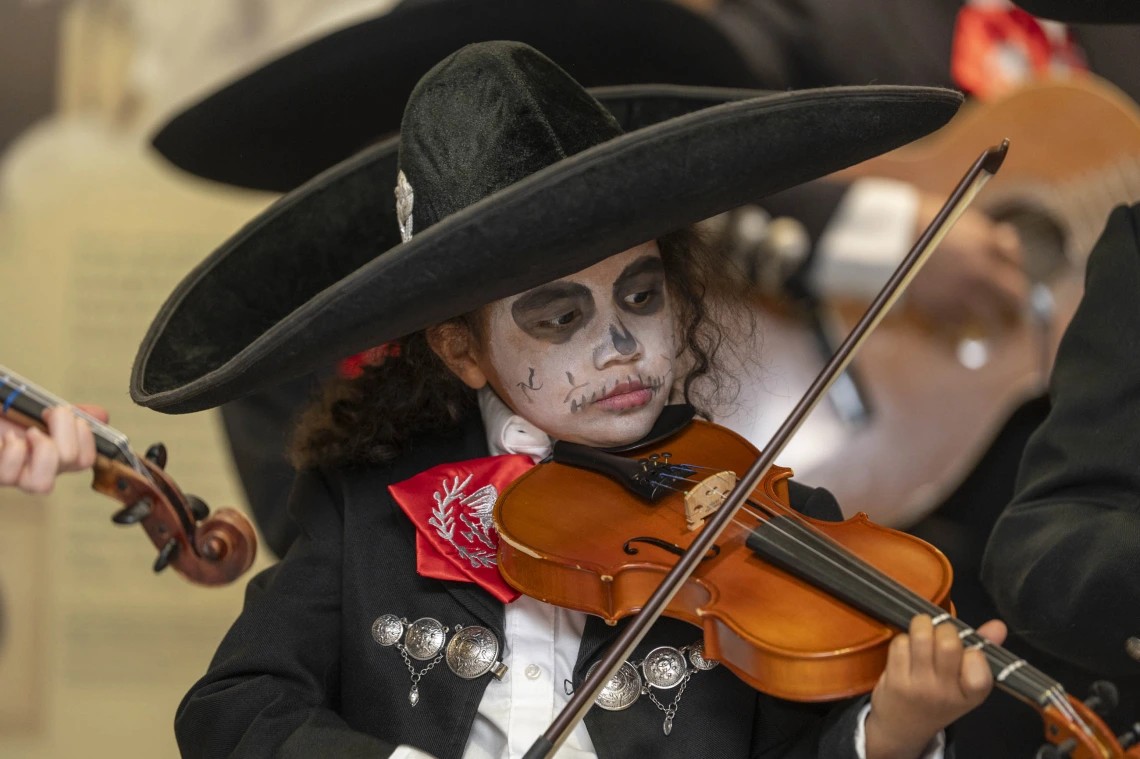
<point x="515" y="175"/>
<point x="1085" y="11"/>
<point x="282" y="124"/>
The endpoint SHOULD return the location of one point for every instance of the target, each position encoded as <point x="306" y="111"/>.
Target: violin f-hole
<point x="672" y="548"/>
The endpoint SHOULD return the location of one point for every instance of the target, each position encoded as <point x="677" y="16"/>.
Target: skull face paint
<point x="588" y="358"/>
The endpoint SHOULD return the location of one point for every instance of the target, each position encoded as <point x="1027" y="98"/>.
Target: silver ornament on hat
<point x="405" y="199"/>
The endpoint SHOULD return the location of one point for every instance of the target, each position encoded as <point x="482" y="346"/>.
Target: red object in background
<point x="353" y="366"/>
<point x="997" y="49"/>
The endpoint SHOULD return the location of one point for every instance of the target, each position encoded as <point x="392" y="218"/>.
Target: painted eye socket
<point x="561" y="322"/>
<point x="639" y="299"/>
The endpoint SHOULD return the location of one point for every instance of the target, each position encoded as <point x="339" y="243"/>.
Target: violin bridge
<point x="704" y="499"/>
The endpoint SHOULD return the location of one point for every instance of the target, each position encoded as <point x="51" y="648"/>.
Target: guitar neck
<point x="25" y="403"/>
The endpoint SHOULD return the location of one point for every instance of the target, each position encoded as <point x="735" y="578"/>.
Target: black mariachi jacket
<point x="298" y="674"/>
<point x="1061" y="563"/>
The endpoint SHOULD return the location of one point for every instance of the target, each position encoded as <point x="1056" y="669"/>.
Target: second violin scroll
<point x="206" y="549"/>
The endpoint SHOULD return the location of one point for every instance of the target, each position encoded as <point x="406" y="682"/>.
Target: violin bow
<point x="206" y="549"/>
<point x="968" y="188"/>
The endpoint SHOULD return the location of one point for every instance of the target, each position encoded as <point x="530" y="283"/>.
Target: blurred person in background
<point x="988" y="49"/>
<point x="1062" y="563"/>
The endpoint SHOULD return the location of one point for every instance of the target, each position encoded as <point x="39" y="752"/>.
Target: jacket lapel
<point x="481" y="604"/>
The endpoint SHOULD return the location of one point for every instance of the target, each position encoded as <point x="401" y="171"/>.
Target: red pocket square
<point x="451" y="506"/>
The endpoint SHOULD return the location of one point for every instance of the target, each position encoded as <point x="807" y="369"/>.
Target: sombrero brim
<point x="321" y="274"/>
<point x="282" y="124"/>
<point x="1085" y="11"/>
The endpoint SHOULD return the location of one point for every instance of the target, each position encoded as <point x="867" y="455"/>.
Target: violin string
<point x="886" y="583"/>
<point x="1043" y="686"/>
<point x="47" y="399"/>
<point x="1046" y="687"/>
<point x="915" y="604"/>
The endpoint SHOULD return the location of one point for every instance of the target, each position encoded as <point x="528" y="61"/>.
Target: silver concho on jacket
<point x="472" y="652"/>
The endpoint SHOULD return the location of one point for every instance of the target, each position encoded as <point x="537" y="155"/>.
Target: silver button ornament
<point x="665" y="667"/>
<point x="473" y="652"/>
<point x="699" y="660"/>
<point x="387" y="630"/>
<point x="621" y="691"/>
<point x="425" y="638"/>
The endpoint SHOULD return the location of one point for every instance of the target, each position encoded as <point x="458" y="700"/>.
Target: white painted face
<point x="588" y="358"/>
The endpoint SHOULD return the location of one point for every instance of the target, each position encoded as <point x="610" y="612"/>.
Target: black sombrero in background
<point x="284" y="123"/>
<point x="517" y="176"/>
<point x="1085" y="11"/>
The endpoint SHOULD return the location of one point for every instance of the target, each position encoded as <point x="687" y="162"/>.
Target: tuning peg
<point x="1130" y="738"/>
<point x="198" y="507"/>
<point x="1103" y="698"/>
<point x="156" y="455"/>
<point x="166" y="555"/>
<point x="133" y="514"/>
<point x="1049" y="751"/>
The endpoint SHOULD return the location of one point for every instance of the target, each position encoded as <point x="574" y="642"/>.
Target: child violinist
<point x="544" y="285"/>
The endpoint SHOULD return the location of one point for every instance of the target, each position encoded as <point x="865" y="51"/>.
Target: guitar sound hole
<point x="1042" y="237"/>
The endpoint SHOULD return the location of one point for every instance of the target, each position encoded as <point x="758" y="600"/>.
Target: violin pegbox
<point x="703" y="500"/>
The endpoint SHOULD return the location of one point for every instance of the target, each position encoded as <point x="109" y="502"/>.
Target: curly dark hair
<point x="369" y="419"/>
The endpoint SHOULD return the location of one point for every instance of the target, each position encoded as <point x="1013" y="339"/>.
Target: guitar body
<point x="1074" y="154"/>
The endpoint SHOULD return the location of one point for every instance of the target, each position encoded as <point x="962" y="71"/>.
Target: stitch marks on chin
<point x="573" y="388"/>
<point x="653" y="383"/>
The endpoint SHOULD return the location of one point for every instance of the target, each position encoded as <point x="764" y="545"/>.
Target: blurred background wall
<point x="95" y="650"/>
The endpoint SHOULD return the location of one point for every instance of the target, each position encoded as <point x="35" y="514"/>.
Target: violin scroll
<point x="206" y="549"/>
<point x="1075" y="730"/>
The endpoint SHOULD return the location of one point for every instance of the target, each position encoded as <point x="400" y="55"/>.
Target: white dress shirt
<point x="541" y="645"/>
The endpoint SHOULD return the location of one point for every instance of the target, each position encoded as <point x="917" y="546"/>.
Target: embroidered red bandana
<point x="451" y="506"/>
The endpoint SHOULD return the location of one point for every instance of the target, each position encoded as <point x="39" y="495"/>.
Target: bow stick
<point x="968" y="188"/>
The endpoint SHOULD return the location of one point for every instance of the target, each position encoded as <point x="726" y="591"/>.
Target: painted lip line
<point x="626" y="395"/>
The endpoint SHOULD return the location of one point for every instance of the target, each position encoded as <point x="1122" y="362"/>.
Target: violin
<point x="205" y="548"/>
<point x="799" y="608"/>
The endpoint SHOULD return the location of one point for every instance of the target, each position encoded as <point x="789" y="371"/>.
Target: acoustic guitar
<point x="936" y="400"/>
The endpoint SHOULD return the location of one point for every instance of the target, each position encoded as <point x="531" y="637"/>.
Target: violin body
<point x="778" y="633"/>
